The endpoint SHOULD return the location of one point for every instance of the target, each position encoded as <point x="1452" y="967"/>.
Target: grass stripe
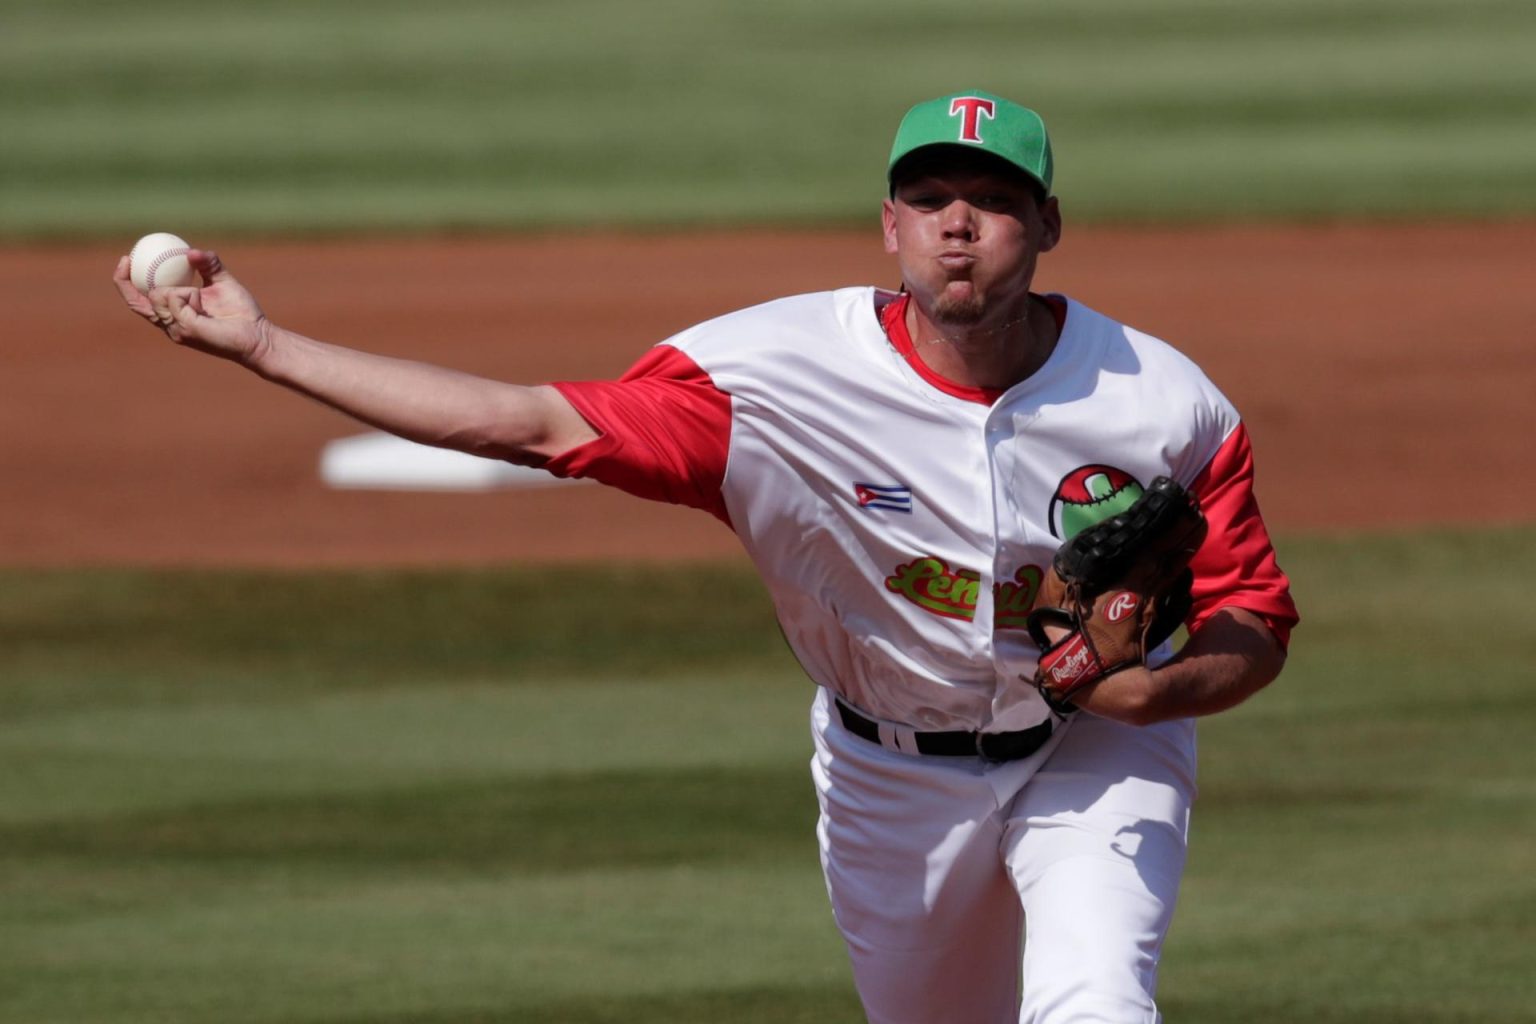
<point x="553" y="824"/>
<point x="464" y="114"/>
<point x="403" y="833"/>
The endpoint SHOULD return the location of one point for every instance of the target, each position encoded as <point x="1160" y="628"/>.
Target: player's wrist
<point x="258" y="356"/>
<point x="1130" y="695"/>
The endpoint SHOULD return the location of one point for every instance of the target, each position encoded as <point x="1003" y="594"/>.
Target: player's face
<point x="967" y="236"/>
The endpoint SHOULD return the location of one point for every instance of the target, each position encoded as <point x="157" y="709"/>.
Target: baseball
<point x="159" y="260"/>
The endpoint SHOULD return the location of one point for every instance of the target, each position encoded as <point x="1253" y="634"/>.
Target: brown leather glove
<point x="1118" y="588"/>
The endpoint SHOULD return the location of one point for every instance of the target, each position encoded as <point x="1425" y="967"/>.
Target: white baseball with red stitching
<point x="159" y="260"/>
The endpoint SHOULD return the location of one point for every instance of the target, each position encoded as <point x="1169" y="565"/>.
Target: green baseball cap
<point x="982" y="121"/>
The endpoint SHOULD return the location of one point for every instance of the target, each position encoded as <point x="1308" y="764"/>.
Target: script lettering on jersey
<point x="1014" y="599"/>
<point x="932" y="585"/>
<point x="971" y="109"/>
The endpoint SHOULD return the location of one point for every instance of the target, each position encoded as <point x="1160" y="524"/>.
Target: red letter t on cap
<point x="973" y="107"/>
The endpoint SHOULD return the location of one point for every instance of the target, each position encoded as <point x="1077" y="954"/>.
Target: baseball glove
<point x="1119" y="588"/>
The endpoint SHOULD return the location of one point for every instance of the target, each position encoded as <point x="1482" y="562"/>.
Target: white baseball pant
<point x="1038" y="890"/>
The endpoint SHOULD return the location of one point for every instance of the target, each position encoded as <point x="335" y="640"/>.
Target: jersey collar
<point x="893" y="317"/>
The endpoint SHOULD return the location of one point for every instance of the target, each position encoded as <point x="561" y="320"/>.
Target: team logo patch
<point x="1088" y="495"/>
<point x="891" y="497"/>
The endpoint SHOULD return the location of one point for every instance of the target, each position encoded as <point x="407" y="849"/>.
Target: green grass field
<point x="476" y="797"/>
<point x="288" y="116"/>
<point x="511" y="796"/>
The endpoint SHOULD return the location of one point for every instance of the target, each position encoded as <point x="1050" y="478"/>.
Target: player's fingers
<point x="185" y="317"/>
<point x="135" y="299"/>
<point x="167" y="303"/>
<point x="174" y="300"/>
<point x="207" y="263"/>
<point x="180" y="313"/>
<point x="189" y="313"/>
<point x="227" y="298"/>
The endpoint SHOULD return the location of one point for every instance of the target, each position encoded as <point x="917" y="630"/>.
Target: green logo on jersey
<point x="1088" y="495"/>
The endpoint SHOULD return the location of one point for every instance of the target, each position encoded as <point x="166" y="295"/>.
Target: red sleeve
<point x="1236" y="566"/>
<point x="664" y="432"/>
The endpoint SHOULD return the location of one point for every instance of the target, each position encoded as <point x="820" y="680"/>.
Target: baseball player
<point x="903" y="467"/>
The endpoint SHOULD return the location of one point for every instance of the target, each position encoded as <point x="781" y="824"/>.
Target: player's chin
<point x="960" y="304"/>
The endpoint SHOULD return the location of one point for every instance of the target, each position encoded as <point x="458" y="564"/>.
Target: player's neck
<point x="991" y="355"/>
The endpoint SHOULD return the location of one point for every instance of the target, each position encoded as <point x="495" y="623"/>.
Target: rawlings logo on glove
<point x="1122" y="605"/>
<point x="1115" y="591"/>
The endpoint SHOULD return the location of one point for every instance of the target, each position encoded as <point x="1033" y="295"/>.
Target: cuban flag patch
<point x="891" y="497"/>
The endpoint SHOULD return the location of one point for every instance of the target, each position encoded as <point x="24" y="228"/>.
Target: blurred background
<point x="377" y="115"/>
<point x="274" y="752"/>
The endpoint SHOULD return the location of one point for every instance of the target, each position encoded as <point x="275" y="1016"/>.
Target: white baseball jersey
<point x="902" y="523"/>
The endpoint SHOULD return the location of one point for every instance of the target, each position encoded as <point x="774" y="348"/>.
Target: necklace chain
<point x="998" y="330"/>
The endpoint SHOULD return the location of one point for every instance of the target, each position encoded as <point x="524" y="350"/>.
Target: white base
<point x="384" y="462"/>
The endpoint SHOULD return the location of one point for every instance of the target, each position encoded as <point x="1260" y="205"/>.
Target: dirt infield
<point x="1386" y="374"/>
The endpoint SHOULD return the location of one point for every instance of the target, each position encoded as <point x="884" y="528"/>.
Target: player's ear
<point x="888" y="221"/>
<point x="1050" y="224"/>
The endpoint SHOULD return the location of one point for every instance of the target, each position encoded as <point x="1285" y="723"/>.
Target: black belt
<point x="991" y="746"/>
